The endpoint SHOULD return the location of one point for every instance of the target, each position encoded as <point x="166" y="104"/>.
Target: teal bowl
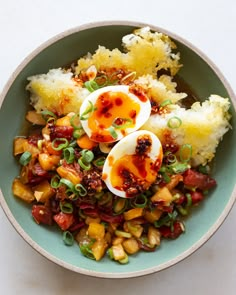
<point x="204" y="79"/>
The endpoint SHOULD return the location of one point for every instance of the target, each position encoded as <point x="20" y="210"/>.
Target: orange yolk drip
<point x="110" y="106"/>
<point x="142" y="169"/>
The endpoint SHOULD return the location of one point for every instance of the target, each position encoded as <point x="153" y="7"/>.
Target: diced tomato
<point x="42" y="214"/>
<point x="196" y="179"/>
<point x="33" y="139"/>
<point x="196" y="197"/>
<point x="64" y="220"/>
<point x="168" y="234"/>
<point x="61" y="132"/>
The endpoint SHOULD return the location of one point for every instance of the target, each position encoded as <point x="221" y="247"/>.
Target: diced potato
<point x="89" y="220"/>
<point x="117" y="240"/>
<point x="48" y="162"/>
<point x="22" y="191"/>
<point x="133" y="213"/>
<point x="63" y="121"/>
<point x="82" y="234"/>
<point x="96" y="230"/>
<point x="24" y="174"/>
<point x="19" y="145"/>
<point x="130" y="246"/>
<point x="134" y="228"/>
<point x="152" y="216"/>
<point x="70" y="174"/>
<point x="31" y="148"/>
<point x="35" y="118"/>
<point x="154" y="236"/>
<point x="175" y="179"/>
<point x="43" y="191"/>
<point x="163" y="194"/>
<point x="46" y="133"/>
<point x="99" y="248"/>
<point x="118" y="252"/>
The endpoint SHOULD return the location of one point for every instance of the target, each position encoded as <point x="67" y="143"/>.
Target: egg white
<point x="141" y="118"/>
<point x="127" y="146"/>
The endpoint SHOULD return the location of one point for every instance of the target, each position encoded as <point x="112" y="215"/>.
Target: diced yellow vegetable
<point x="117" y="240"/>
<point x="19" y="145"/>
<point x="175" y="179"/>
<point x="130" y="246"/>
<point x="133" y="213"/>
<point x="22" y="191"/>
<point x="89" y="220"/>
<point x="31" y="148"/>
<point x="152" y="216"/>
<point x="118" y="252"/>
<point x="134" y="228"/>
<point x="63" y="121"/>
<point x="35" y="118"/>
<point x="70" y="174"/>
<point x="99" y="248"/>
<point x="48" y="162"/>
<point x="96" y="230"/>
<point x="163" y="194"/>
<point x="154" y="236"/>
<point x="43" y="191"/>
<point x="84" y="142"/>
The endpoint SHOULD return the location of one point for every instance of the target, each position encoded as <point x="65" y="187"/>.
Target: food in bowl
<point x="118" y="157"/>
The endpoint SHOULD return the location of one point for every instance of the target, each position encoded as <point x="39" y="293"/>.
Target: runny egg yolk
<point x="112" y="107"/>
<point x="133" y="171"/>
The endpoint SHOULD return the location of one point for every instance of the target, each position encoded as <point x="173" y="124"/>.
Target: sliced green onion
<point x="98" y="80"/>
<point x="171" y="158"/>
<point x="204" y="169"/>
<point x="99" y="162"/>
<point x="110" y="253"/>
<point x="73" y="144"/>
<point x="86" y="250"/>
<point x="68" y="238"/>
<point x="189" y="200"/>
<point x="55" y="181"/>
<point x="183" y="211"/>
<point x="67" y="183"/>
<point x="113" y="133"/>
<point x="63" y="143"/>
<point x="81" y="189"/>
<point x="73" y="196"/>
<point x="25" y="158"/>
<point x="174" y="122"/>
<point x="81" y="214"/>
<point x="87" y="156"/>
<point x="105" y="198"/>
<point x="124" y="260"/>
<point x="86" y="114"/>
<point x="131" y="76"/>
<point x="69" y="155"/>
<point x="185" y="148"/>
<point x="120" y="206"/>
<point x="126" y="122"/>
<point x="83" y="165"/>
<point x="165" y="103"/>
<point x="66" y="207"/>
<point x="123" y="234"/>
<point x="77" y="133"/>
<point x="179" y="167"/>
<point x="140" y="201"/>
<point x="91" y="85"/>
<point x="48" y="115"/>
<point x="40" y="144"/>
<point x="74" y="124"/>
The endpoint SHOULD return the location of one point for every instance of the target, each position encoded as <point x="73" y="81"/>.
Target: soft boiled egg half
<point x="132" y="164"/>
<point x="110" y="113"/>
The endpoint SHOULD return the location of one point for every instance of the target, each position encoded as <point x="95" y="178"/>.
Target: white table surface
<point x="211" y="26"/>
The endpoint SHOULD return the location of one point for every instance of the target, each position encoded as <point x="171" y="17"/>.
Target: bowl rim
<point x="183" y="255"/>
